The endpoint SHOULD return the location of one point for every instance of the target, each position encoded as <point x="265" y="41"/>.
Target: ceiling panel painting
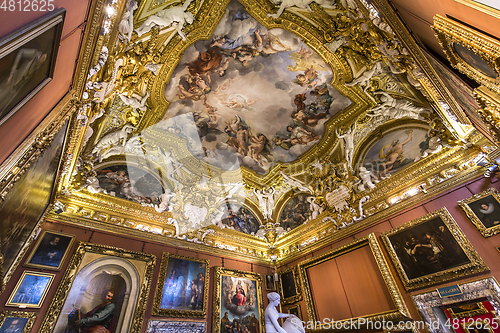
<point x="261" y="94"/>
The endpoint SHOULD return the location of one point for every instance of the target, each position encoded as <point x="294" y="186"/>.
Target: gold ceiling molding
<point x="489" y="110"/>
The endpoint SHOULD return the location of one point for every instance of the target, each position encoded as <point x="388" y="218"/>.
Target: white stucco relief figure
<point x="126" y="26"/>
<point x="395" y="108"/>
<point x="194" y="214"/>
<point x="164" y="205"/>
<point x="266" y="201"/>
<point x="304" y="4"/>
<point x="167" y="17"/>
<point x="337" y="43"/>
<point x="113" y="139"/>
<point x="316" y="209"/>
<point x="348" y="138"/>
<point x="295" y="183"/>
<point x="173" y="166"/>
<point x="134" y="102"/>
<point x="133" y="145"/>
<point x="364" y="79"/>
<point x="291" y="325"/>
<point x="368" y="179"/>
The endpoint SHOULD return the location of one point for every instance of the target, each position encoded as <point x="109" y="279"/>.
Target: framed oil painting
<point x="295" y="310"/>
<point x="27" y="61"/>
<point x="237" y="301"/>
<point x="170" y="326"/>
<point x="16" y="321"/>
<point x="289" y="285"/>
<point x="26" y="204"/>
<point x="470" y="51"/>
<point x="50" y="250"/>
<point x="467" y="310"/>
<point x="31" y="290"/>
<point x="182" y="287"/>
<point x="483" y="209"/>
<point x="430" y="250"/>
<point x="270" y="283"/>
<point x="103" y="282"/>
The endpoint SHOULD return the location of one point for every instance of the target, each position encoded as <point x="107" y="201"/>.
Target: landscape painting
<point x="262" y="95"/>
<point x="395" y="151"/>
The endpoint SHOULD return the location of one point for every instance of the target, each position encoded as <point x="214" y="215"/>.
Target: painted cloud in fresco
<point x="260" y="94"/>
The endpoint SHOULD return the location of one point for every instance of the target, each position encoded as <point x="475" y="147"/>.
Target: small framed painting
<point x="16" y="321"/>
<point x="31" y="290"/>
<point x="295" y="310"/>
<point x="50" y="250"/>
<point x="290" y="287"/>
<point x="483" y="209"/>
<point x="182" y="288"/>
<point x="270" y="283"/>
<point x="27" y="61"/>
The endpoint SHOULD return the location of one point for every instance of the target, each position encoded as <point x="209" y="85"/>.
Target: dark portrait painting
<point x="50" y="251"/>
<point x="288" y="285"/>
<point x="428" y="248"/>
<point x="487" y="210"/>
<point x="182" y="286"/>
<point x="295" y="310"/>
<point x="474" y="60"/>
<point x="13" y="325"/>
<point x="269" y="281"/>
<point x="27" y="61"/>
<point x="27" y="201"/>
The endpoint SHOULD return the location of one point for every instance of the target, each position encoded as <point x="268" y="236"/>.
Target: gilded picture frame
<point x="175" y="265"/>
<point x="428" y="230"/>
<point x="478" y="208"/>
<point x="289" y="285"/>
<point x="269" y="282"/>
<point x="230" y="277"/>
<point x="178" y="326"/>
<point x="400" y="313"/>
<point x="27" y="317"/>
<point x="477" y="309"/>
<point x="31" y="290"/>
<point x="50" y="251"/>
<point x="295" y="310"/>
<point x="27" y="61"/>
<point x="471" y="52"/>
<point x="98" y="272"/>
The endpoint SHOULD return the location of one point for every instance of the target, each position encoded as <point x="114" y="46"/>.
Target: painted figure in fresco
<point x="258" y="147"/>
<point x="311" y="120"/>
<point x="393" y="155"/>
<point x="308" y="80"/>
<point x="239" y="297"/>
<point x="98" y="320"/>
<point x="239" y="140"/>
<point x="225" y="324"/>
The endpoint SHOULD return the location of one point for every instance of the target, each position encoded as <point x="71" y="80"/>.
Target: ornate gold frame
<point x="40" y="238"/>
<point x="471" y="313"/>
<point x="480" y="7"/>
<point x="401" y="312"/>
<point x="18" y="285"/>
<point x="19" y="314"/>
<point x="475" y="266"/>
<point x="216" y="298"/>
<point x="448" y="32"/>
<point x="157" y="311"/>
<point x="485" y="232"/>
<point x="74" y="267"/>
<point x="296" y="306"/>
<point x="298" y="288"/>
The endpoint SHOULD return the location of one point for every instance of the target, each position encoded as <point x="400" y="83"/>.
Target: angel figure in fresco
<point x="393" y="155"/>
<point x="298" y="136"/>
<point x="304" y="59"/>
<point x="197" y="87"/>
<point x="311" y="120"/>
<point x="238" y="138"/>
<point x="308" y="80"/>
<point x="239" y="102"/>
<point x="323" y="97"/>
<point x="259" y="147"/>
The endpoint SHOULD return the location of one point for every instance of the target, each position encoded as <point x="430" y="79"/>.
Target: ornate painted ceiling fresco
<point x="258" y="127"/>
